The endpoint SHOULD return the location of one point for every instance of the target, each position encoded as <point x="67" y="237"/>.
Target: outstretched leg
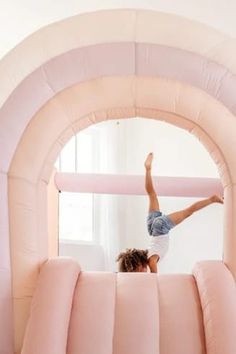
<point x="181" y="215"/>
<point x="153" y="201"/>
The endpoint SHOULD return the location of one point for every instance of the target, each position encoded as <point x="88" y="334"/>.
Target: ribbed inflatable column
<point x="93" y="314"/>
<point x="217" y="292"/>
<point x="181" y="323"/>
<point x="47" y="327"/>
<point x="137" y="314"/>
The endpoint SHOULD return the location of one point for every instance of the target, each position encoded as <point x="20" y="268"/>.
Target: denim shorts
<point x="158" y="224"/>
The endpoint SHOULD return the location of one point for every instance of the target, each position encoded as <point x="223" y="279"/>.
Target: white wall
<point x="177" y="153"/>
<point x="18" y="19"/>
<point x="121" y="220"/>
<point x="89" y="256"/>
<point x="199" y="237"/>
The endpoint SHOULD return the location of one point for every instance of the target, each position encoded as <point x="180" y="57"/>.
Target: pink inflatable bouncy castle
<point x="63" y="78"/>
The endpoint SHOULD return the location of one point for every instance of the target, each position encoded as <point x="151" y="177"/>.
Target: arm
<point x="152" y="263"/>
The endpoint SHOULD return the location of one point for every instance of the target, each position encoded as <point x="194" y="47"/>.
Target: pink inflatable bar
<point x="134" y="185"/>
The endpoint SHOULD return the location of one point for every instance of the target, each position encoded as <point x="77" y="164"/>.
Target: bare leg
<point x="181" y="215"/>
<point x="153" y="201"/>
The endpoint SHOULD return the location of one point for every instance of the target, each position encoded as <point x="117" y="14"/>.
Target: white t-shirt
<point x="158" y="245"/>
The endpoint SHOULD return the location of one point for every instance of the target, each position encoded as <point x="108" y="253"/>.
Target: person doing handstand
<point x="158" y="225"/>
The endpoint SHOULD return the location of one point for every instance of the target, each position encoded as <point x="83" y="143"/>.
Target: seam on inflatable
<point x="200" y="279"/>
<point x="158" y="314"/>
<point x="71" y="308"/>
<point x="15" y="177"/>
<point x="47" y="81"/>
<point x="115" y="310"/>
<point x="202" y="316"/>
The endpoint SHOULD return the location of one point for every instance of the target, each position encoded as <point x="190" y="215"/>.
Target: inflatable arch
<point x="86" y="69"/>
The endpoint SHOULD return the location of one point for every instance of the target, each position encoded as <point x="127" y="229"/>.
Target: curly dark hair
<point x="131" y="259"/>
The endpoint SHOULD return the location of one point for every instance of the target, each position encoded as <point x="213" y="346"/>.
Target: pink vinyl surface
<point x="121" y="184"/>
<point x="48" y="92"/>
<point x="217" y="291"/>
<point x="132" y="312"/>
<point x="102" y="60"/>
<point x="47" y="327"/>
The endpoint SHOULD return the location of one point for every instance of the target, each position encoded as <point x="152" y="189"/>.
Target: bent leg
<point x="153" y="200"/>
<point x="181" y="215"/>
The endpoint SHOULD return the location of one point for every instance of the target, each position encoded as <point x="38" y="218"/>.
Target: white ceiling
<point x="20" y="18"/>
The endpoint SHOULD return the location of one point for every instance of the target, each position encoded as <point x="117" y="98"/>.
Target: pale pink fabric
<point x="128" y="184"/>
<point x="48" y="323"/>
<point x="34" y="75"/>
<point x="120" y="25"/>
<point x="6" y="311"/>
<point x="136" y="327"/>
<point x="31" y="166"/>
<point x="93" y="314"/>
<point x="217" y="290"/>
<point x="181" y="322"/>
<point x="108" y="59"/>
<point x="105" y="313"/>
<point x="109" y="313"/>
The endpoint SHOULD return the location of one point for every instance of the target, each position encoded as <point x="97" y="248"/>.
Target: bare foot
<point x="217" y="199"/>
<point x="148" y="161"/>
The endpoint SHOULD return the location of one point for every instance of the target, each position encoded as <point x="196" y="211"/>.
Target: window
<point x="76" y="209"/>
<point x="76" y="217"/>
